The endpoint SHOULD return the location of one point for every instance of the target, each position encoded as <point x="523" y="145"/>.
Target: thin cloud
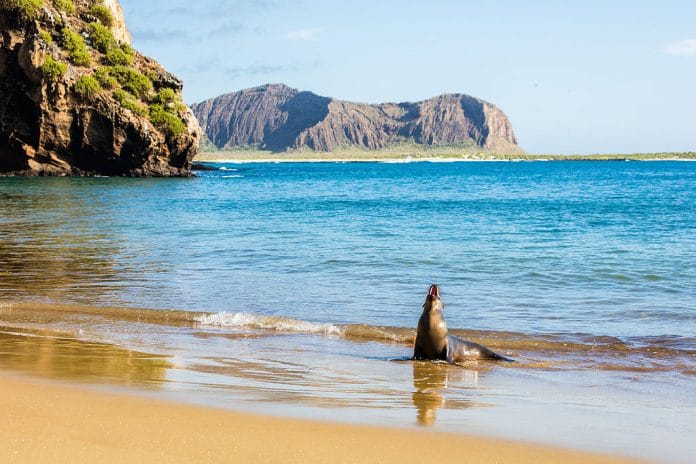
<point x="206" y="20"/>
<point x="219" y="9"/>
<point x="159" y="35"/>
<point x="305" y="35"/>
<point x="235" y="72"/>
<point x="218" y="66"/>
<point x="685" y="47"/>
<point x="176" y="35"/>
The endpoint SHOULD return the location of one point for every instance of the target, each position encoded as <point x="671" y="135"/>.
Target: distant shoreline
<point x="244" y="156"/>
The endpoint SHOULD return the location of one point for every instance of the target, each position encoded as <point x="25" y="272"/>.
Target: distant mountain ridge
<point x="276" y="117"/>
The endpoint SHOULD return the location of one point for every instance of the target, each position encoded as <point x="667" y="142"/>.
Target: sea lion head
<point x="433" y="302"/>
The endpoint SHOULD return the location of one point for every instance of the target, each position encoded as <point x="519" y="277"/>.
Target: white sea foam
<point x="228" y="169"/>
<point x="29" y="335"/>
<point x="254" y="321"/>
<point x="398" y="161"/>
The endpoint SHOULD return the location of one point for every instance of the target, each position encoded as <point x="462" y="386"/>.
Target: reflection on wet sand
<point x="431" y="380"/>
<point x="56" y="357"/>
<point x="284" y="382"/>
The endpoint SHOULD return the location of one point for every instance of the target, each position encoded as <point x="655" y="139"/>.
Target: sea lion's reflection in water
<point x="431" y="380"/>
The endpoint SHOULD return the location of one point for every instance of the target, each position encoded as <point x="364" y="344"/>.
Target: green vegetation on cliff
<point x="87" y="87"/>
<point x="129" y="102"/>
<point x="53" y="70"/>
<point x="131" y="80"/>
<point x="101" y="37"/>
<point x="118" y="57"/>
<point x="165" y="96"/>
<point x="103" y="14"/>
<point x="46" y="37"/>
<point x="27" y="8"/>
<point x="67" y="6"/>
<point x="166" y="120"/>
<point x="105" y="79"/>
<point x="132" y="89"/>
<point x="75" y="45"/>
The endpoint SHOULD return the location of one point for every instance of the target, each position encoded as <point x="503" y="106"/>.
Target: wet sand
<point x="249" y="363"/>
<point x="48" y="422"/>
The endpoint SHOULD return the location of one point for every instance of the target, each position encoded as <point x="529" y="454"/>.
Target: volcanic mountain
<point x="276" y="117"/>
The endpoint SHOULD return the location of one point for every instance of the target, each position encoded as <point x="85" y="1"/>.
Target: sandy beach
<point x="47" y="422"/>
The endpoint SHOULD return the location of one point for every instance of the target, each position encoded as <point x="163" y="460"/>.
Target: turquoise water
<point x="298" y="288"/>
<point x="606" y="248"/>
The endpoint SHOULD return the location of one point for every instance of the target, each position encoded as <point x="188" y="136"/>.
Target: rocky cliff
<point x="76" y="99"/>
<point x="276" y="117"/>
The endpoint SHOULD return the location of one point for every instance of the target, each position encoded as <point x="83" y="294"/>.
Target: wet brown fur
<point x="434" y="343"/>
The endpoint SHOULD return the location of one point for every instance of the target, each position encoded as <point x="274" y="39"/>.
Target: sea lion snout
<point x="432" y="299"/>
<point x="434" y="291"/>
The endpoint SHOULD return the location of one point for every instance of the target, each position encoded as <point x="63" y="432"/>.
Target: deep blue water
<point x="604" y="248"/>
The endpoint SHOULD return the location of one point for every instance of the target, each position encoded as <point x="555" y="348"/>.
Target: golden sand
<point x="46" y="422"/>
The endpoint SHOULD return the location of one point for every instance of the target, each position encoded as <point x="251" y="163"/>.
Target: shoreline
<point x="341" y="160"/>
<point x="59" y="343"/>
<point x="49" y="421"/>
<point x="362" y="158"/>
<point x="418" y="160"/>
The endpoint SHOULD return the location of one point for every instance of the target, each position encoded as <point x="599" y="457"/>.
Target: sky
<point x="597" y="77"/>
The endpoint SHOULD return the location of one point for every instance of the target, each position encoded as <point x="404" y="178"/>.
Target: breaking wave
<point x="533" y="350"/>
<point x="277" y="323"/>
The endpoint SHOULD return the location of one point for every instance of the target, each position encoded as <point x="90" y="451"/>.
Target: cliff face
<point x="118" y="28"/>
<point x="76" y="99"/>
<point x="276" y="117"/>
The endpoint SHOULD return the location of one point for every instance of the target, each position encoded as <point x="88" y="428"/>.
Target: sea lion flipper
<point x="464" y="349"/>
<point x="487" y="353"/>
<point x="418" y="353"/>
<point x="448" y="354"/>
<point x="500" y="357"/>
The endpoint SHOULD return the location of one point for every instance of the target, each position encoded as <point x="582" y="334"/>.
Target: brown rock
<point x="276" y="117"/>
<point x="119" y="28"/>
<point x="46" y="128"/>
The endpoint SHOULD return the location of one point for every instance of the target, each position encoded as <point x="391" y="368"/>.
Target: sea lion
<point x="434" y="343"/>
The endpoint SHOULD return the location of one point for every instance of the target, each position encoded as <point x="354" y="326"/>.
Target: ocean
<point x="295" y="289"/>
